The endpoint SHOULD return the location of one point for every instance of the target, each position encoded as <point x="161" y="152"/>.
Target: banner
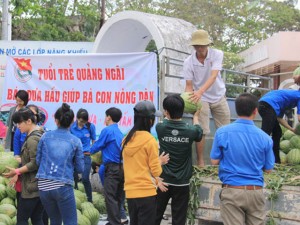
<point x="95" y="82"/>
<point x="28" y="48"/>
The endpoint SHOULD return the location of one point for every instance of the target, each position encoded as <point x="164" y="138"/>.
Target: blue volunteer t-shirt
<point x="109" y="142"/>
<point x="85" y="134"/>
<point x="281" y="100"/>
<point x="244" y="152"/>
<point x="19" y="139"/>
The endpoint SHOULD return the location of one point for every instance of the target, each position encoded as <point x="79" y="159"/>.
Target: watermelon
<point x="283" y="158"/>
<point x="3" y="180"/>
<point x="7" y="159"/>
<point x="283" y="129"/>
<point x="82" y="220"/>
<point x="295" y="142"/>
<point x="97" y="158"/>
<point x="99" y="202"/>
<point x="2" y="191"/>
<point x="288" y="135"/>
<point x="14" y="220"/>
<point x="296" y="72"/>
<point x="80" y="195"/>
<point x="86" y="205"/>
<point x="92" y="214"/>
<point x="78" y="203"/>
<point x="297" y="129"/>
<point x="5" y="219"/>
<point x="189" y="106"/>
<point x="81" y="187"/>
<point x="10" y="192"/>
<point x="293" y="157"/>
<point x="7" y="180"/>
<point x="8" y="209"/>
<point x="7" y="200"/>
<point x="285" y="146"/>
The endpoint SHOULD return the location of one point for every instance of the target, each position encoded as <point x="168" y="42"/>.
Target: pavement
<point x="103" y="221"/>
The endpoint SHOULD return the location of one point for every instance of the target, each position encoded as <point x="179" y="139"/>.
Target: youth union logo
<point x="23" y="69"/>
<point x="43" y="116"/>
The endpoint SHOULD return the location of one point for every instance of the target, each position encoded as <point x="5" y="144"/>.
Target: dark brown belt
<point x="246" y="187"/>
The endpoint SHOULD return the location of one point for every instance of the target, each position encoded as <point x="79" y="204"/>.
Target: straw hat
<point x="200" y="37"/>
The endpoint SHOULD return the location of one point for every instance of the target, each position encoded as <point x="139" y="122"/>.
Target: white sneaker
<point x="124" y="221"/>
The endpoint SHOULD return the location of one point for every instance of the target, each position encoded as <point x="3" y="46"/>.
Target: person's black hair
<point x="37" y="112"/>
<point x="141" y="123"/>
<point x="83" y="114"/>
<point x="64" y="115"/>
<point x="114" y="113"/>
<point x="23" y="95"/>
<point x="245" y="104"/>
<point x="24" y="114"/>
<point x="174" y="104"/>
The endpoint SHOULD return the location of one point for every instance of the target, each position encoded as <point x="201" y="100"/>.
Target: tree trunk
<point x="102" y="17"/>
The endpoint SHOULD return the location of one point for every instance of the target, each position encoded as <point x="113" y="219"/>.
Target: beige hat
<point x="200" y="37"/>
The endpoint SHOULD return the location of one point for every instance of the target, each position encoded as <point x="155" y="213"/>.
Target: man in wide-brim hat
<point x="201" y="70"/>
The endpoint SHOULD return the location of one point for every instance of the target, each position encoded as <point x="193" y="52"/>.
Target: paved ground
<point x="103" y="221"/>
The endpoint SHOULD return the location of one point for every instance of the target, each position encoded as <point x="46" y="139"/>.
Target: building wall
<point x="277" y="54"/>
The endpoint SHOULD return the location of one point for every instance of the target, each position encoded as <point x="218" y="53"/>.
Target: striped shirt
<point x="48" y="185"/>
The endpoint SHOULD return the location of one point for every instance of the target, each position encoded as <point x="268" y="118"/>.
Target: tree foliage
<point x="234" y="25"/>
<point x="54" y="20"/>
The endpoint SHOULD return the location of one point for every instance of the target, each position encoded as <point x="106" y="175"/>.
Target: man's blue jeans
<point x="60" y="205"/>
<point x="86" y="177"/>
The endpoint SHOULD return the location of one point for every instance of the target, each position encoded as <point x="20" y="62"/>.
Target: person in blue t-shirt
<point x="109" y="143"/>
<point x="19" y="139"/>
<point x="86" y="132"/>
<point x="243" y="153"/>
<point x="272" y="107"/>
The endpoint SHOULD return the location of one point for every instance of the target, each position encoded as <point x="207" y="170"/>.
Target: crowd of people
<point x="145" y="171"/>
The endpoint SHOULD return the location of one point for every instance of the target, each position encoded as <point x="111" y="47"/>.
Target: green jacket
<point x="176" y="138"/>
<point x="28" y="158"/>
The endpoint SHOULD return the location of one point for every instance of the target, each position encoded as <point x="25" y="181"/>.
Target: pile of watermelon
<point x="87" y="213"/>
<point x="8" y="210"/>
<point x="290" y="148"/>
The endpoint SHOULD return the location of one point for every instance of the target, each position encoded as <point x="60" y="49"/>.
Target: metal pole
<point x="162" y="80"/>
<point x="4" y="35"/>
<point x="9" y="27"/>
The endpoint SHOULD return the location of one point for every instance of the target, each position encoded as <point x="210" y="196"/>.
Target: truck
<point x="171" y="36"/>
<point x="282" y="200"/>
